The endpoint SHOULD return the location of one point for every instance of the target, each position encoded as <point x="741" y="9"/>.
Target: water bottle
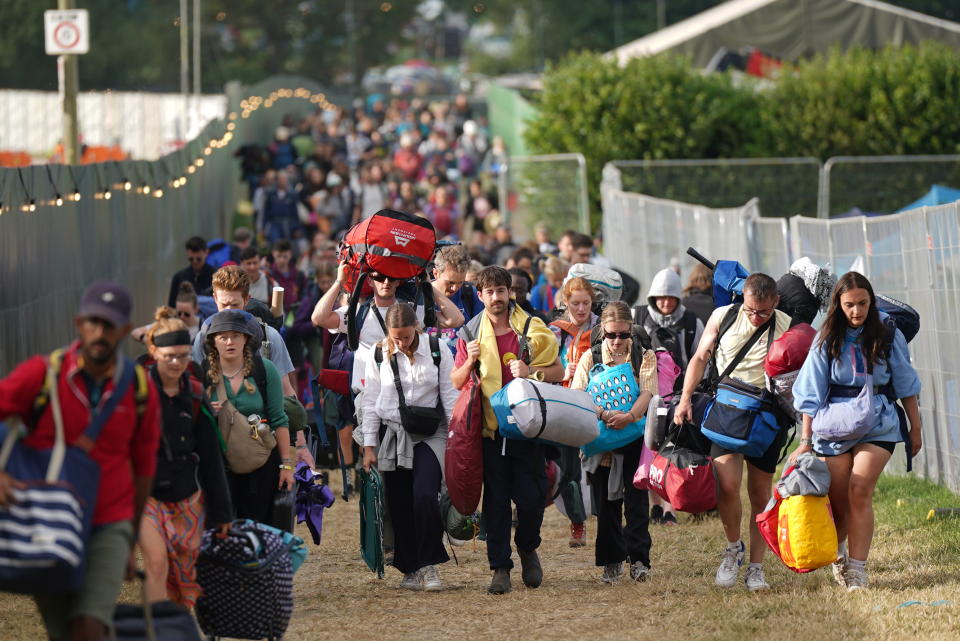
<point x="254" y="422"/>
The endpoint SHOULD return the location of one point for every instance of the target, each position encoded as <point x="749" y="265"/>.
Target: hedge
<point x="858" y="102"/>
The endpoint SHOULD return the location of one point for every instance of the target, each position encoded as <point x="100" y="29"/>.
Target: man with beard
<point x="504" y="343"/>
<point x="89" y="374"/>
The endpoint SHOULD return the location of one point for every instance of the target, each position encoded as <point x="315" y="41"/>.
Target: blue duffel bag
<point x="741" y="418"/>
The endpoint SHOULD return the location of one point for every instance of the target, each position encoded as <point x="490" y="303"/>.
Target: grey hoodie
<point x="667" y="283"/>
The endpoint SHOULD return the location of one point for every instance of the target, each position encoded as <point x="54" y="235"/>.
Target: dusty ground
<point x="338" y="598"/>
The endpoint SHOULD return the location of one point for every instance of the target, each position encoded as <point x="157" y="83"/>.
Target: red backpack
<point x="393" y="243"/>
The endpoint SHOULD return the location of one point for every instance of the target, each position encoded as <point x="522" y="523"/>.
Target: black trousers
<point x="414" y="503"/>
<point x="518" y="476"/>
<point x="615" y="541"/>
<point x="253" y="493"/>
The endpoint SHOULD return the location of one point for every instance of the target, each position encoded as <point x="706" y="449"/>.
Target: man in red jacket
<point x="126" y="451"/>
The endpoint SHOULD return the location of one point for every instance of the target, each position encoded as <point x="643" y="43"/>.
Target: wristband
<point x="806" y="441"/>
<point x="286" y="460"/>
<point x="301" y="447"/>
<point x="286" y="467"/>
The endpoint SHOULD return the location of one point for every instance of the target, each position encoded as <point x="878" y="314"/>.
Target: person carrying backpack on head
<point x="109" y="408"/>
<point x="573" y="331"/>
<point x="611" y="473"/>
<point x="408" y="402"/>
<point x="667" y="324"/>
<point x="738" y="337"/>
<point x="188" y="460"/>
<point x="371" y="329"/>
<point x="847" y="390"/>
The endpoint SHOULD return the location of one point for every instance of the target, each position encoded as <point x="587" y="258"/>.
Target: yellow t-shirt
<point x="750" y="369"/>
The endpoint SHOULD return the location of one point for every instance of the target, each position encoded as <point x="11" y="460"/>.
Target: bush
<point x="653" y="108"/>
<point x="859" y="102"/>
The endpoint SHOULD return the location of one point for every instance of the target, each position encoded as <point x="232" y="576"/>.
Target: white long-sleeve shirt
<point x="419" y="381"/>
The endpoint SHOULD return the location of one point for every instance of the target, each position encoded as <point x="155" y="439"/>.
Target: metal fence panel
<point x="145" y="125"/>
<point x="550" y="189"/>
<point x="882" y="184"/>
<point x="50" y="253"/>
<point x="784" y="186"/>
<point x="642" y="234"/>
<point x="913" y="256"/>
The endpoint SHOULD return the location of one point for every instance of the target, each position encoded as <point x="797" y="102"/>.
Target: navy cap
<point x="107" y="300"/>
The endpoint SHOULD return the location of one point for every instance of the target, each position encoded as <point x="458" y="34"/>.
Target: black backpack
<point x="652" y="336"/>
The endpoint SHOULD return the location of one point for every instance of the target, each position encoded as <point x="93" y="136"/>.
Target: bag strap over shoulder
<point x="525" y="342"/>
<point x="100" y="416"/>
<point x="769" y="326"/>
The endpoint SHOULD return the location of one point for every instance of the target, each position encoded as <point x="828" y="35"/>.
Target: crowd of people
<point x="223" y="347"/>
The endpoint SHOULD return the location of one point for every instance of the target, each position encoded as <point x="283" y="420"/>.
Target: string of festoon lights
<point x="134" y="182"/>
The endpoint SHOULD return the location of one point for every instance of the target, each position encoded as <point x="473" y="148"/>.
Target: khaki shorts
<point x="107" y="552"/>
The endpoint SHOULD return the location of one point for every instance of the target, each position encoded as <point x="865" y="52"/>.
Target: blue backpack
<point x="899" y="316"/>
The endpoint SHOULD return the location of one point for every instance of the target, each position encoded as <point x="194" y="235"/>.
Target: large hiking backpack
<point x="607" y="283"/>
<point x="247" y="582"/>
<point x="395" y="244"/>
<point x="900" y="316"/>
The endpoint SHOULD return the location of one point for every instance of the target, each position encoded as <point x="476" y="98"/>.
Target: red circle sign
<point x="66" y="35"/>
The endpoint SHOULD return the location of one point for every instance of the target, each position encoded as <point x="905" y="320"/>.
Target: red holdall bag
<point x="684" y="478"/>
<point x="463" y="458"/>
<point x="394" y="244"/>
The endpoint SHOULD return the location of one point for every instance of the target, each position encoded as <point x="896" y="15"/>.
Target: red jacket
<point x="124" y="448"/>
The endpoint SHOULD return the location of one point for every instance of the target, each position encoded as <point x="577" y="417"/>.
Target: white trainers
<point x="431" y="578"/>
<point x="412" y="581"/>
<point x="730" y="564"/>
<point x="855" y="578"/>
<point x="755" y="580"/>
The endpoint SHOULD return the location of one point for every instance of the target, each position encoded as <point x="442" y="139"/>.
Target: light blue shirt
<point x="811" y="389"/>
<point x="278" y="349"/>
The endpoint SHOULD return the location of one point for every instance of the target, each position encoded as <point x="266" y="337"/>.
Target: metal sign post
<point x="67" y="35"/>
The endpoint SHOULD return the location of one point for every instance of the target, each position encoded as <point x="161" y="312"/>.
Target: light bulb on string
<point x="158" y="193"/>
<point x="127" y="185"/>
<point x="76" y="195"/>
<point x="198" y="162"/>
<point x="106" y="194"/>
<point x="145" y="189"/>
<point x="58" y="201"/>
<point x="191" y="168"/>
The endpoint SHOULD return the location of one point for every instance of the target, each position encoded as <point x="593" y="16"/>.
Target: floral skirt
<point x="181" y="526"/>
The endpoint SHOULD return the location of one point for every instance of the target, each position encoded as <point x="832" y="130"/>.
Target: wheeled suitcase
<point x="247" y="581"/>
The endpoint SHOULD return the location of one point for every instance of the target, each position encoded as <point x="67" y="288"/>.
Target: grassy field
<point x="913" y="560"/>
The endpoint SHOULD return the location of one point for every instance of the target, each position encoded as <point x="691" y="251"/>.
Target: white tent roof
<point x="791" y="29"/>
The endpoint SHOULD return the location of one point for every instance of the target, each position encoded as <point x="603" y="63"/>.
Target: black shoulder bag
<point x="416" y="419"/>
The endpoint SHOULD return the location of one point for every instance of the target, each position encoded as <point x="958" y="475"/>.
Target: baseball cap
<point x="107" y="300"/>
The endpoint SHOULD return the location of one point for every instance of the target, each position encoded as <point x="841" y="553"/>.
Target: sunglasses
<point x="614" y="335"/>
<point x="185" y="314"/>
<point x="380" y="278"/>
